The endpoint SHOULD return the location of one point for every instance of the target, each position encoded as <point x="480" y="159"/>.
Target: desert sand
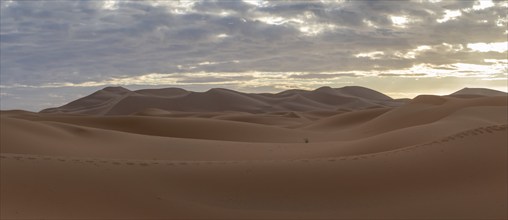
<point x="344" y="153"/>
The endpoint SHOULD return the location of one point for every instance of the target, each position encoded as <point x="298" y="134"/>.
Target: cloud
<point x="214" y="80"/>
<point x="92" y="43"/>
<point x="499" y="47"/>
<point x="401" y="74"/>
<point x="322" y="75"/>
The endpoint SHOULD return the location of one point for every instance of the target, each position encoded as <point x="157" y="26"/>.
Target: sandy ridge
<point x="484" y="130"/>
<point x="121" y="101"/>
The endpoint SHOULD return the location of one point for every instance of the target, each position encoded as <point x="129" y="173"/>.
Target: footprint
<point x="499" y="128"/>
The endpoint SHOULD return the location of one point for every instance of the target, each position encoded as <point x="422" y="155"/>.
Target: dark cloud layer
<point x="73" y="42"/>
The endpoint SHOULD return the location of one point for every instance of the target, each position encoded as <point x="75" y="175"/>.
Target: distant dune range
<point x="120" y="101"/>
<point x="343" y="153"/>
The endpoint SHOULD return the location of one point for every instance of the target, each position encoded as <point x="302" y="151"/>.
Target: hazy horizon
<point x="53" y="52"/>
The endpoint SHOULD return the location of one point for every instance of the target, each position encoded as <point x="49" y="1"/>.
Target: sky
<point x="53" y="52"/>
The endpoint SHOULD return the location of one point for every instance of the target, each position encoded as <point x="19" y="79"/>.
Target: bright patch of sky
<point x="499" y="47"/>
<point x="110" y="5"/>
<point x="449" y="15"/>
<point x="372" y="55"/>
<point x="258" y="3"/>
<point x="399" y="21"/>
<point x="483" y="4"/>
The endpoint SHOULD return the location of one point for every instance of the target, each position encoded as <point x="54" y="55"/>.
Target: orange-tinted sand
<point x="222" y="154"/>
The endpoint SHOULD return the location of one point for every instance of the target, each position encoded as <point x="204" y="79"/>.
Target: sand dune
<point x="120" y="101"/>
<point x="465" y="92"/>
<point x="346" y="153"/>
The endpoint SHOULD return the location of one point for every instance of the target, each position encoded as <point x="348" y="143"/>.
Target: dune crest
<point x="478" y="92"/>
